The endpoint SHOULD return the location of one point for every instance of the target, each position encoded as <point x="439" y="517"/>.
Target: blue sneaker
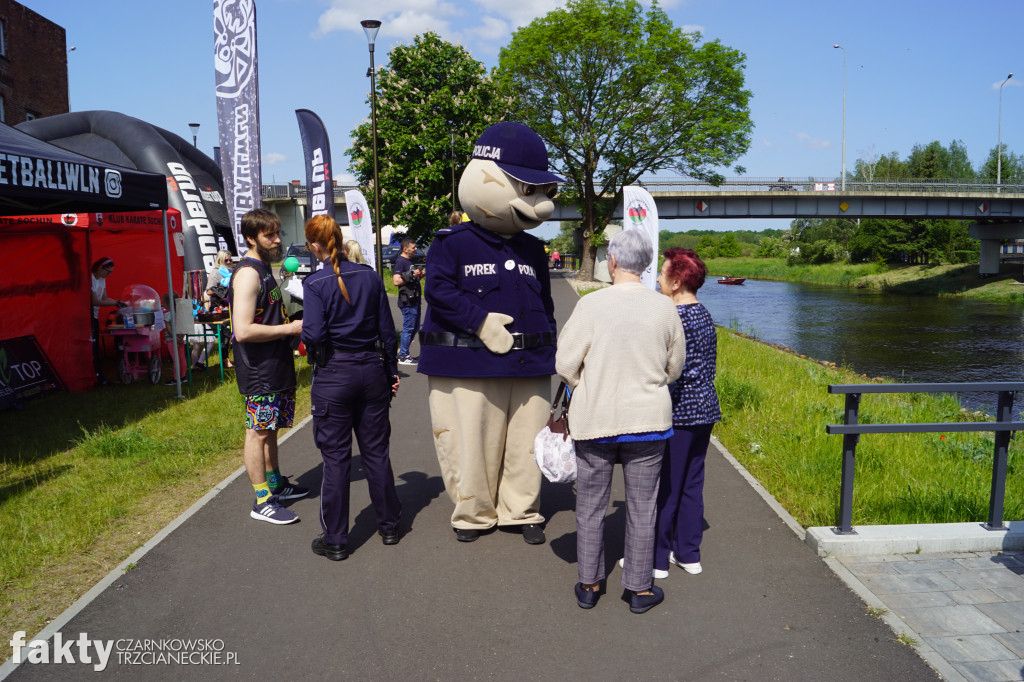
<point x="288" y="490"/>
<point x="272" y="512"/>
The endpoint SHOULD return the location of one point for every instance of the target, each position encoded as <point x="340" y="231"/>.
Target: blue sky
<point x="915" y="71"/>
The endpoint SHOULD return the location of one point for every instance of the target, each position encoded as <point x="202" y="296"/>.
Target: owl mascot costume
<point x="488" y="338"/>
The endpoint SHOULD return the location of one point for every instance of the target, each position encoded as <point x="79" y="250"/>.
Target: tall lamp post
<point x="195" y="133"/>
<point x="453" y="169"/>
<point x="370" y="28"/>
<point x="843" y="179"/>
<point x="999" y="144"/>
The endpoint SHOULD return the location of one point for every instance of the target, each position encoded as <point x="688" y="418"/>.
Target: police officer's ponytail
<point x="323" y="229"/>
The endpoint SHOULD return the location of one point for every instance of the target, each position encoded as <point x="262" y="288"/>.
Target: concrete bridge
<point x="997" y="210"/>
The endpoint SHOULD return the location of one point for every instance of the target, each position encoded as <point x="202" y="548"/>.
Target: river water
<point x="907" y="338"/>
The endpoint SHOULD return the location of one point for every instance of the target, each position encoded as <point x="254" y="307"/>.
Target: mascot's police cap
<point x="518" y="151"/>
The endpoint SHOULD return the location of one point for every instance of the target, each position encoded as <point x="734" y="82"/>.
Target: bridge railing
<point x="296" y="191"/>
<point x="851" y="432"/>
<point x="782" y="184"/>
<point x="832" y="184"/>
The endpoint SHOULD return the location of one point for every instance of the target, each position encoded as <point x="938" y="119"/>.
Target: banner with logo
<point x="361" y="224"/>
<point x="238" y="108"/>
<point x="319" y="176"/>
<point x="640" y="213"/>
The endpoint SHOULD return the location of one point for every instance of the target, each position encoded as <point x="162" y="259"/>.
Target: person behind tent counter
<point x="264" y="365"/>
<point x="101" y="269"/>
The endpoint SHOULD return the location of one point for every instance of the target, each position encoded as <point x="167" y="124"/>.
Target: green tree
<point x="728" y="247"/>
<point x="565" y="242"/>
<point x="708" y="247"/>
<point x="617" y="92"/>
<point x="429" y="90"/>
<point x="772" y="247"/>
<point x="1012" y="166"/>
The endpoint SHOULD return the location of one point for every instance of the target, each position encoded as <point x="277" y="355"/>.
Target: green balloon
<point x="291" y="263"/>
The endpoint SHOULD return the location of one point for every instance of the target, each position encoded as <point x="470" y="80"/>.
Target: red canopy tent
<point x="45" y="288"/>
<point x="46" y="291"/>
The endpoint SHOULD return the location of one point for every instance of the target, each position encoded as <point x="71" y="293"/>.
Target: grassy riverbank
<point x="921" y="280"/>
<point x="775" y="407"/>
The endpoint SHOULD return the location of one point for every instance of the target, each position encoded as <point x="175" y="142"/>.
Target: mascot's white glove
<point x="493" y="333"/>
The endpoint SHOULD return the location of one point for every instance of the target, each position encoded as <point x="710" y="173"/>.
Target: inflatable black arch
<point x="194" y="182"/>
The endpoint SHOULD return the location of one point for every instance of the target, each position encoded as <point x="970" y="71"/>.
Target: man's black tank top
<point x="267" y="366"/>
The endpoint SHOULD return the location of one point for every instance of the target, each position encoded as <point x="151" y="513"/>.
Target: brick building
<point x="33" y="65"/>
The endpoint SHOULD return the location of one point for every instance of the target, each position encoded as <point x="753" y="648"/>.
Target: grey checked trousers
<point x="641" y="468"/>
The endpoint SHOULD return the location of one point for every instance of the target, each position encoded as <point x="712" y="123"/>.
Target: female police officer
<point x="345" y="313"/>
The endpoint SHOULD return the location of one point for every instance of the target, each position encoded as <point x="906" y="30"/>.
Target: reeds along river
<point x="906" y="338"/>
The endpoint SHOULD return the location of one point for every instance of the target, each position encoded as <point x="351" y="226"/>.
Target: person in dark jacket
<point x="346" y="314"/>
<point x="407" y="278"/>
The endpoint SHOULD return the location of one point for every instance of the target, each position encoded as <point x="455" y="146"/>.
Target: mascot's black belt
<point x="520" y="341"/>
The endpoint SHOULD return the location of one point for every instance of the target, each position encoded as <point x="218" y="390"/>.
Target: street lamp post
<point x="843" y="179"/>
<point x="69" y="51"/>
<point x="195" y="133"/>
<point x="999" y="143"/>
<point x="453" y="169"/>
<point x="370" y="28"/>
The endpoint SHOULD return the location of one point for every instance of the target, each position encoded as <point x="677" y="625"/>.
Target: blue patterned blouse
<point x="694" y="400"/>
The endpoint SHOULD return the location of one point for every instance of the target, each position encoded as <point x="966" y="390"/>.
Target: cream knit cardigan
<point x="619" y="350"/>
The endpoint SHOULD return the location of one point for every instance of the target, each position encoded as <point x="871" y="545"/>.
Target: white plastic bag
<point x="553" y="447"/>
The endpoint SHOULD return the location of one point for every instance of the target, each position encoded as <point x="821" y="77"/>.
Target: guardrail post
<point x="995" y="501"/>
<point x="845" y="526"/>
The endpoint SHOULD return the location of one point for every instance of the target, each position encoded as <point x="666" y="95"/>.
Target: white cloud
<point x="805" y="140"/>
<point x="692" y="28"/>
<point x="270" y="158"/>
<point x="769" y="143"/>
<point x="1010" y="84"/>
<point x="518" y="13"/>
<point x="403" y="18"/>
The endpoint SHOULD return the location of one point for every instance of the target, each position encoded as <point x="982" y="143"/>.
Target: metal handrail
<point x="851" y="431"/>
<point x="752" y="184"/>
<point x="296" y="191"/>
<point x="811" y="184"/>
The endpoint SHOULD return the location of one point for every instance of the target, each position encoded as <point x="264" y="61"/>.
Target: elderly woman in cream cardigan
<point x="619" y="351"/>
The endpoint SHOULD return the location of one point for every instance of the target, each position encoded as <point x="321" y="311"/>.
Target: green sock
<point x="274" y="478"/>
<point x="262" y="492"/>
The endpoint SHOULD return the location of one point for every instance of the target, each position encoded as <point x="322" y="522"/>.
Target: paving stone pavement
<point x="966" y="607"/>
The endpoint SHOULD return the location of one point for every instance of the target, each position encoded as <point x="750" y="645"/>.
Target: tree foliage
<point x="427" y="91"/>
<point x="1011" y="165"/>
<point x="617" y="92"/>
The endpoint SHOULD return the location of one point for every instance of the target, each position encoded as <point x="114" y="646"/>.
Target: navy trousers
<point x="351" y="392"/>
<point x="680" y="525"/>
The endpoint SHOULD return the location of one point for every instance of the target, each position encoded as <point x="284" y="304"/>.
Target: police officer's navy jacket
<point x="471" y="272"/>
<point x="328" y="320"/>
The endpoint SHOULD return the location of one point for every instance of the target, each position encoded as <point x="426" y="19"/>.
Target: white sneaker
<point x="656" y="574"/>
<point x="406" y="361"/>
<point x="692" y="569"/>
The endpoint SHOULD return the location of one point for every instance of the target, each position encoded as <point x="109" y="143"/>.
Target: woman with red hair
<point x="346" y="314"/>
<point x="680" y="523"/>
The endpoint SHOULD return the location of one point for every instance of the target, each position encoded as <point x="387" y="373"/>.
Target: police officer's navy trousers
<point x="350" y="392"/>
<point x="680" y="525"/>
<point x="483" y="434"/>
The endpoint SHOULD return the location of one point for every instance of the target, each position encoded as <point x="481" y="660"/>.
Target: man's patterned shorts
<point x="271" y="411"/>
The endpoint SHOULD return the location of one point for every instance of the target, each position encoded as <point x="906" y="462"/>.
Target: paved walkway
<point x="765" y="608"/>
<point x="967" y="608"/>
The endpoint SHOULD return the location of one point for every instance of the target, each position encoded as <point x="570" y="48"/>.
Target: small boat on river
<point x="732" y="280"/>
